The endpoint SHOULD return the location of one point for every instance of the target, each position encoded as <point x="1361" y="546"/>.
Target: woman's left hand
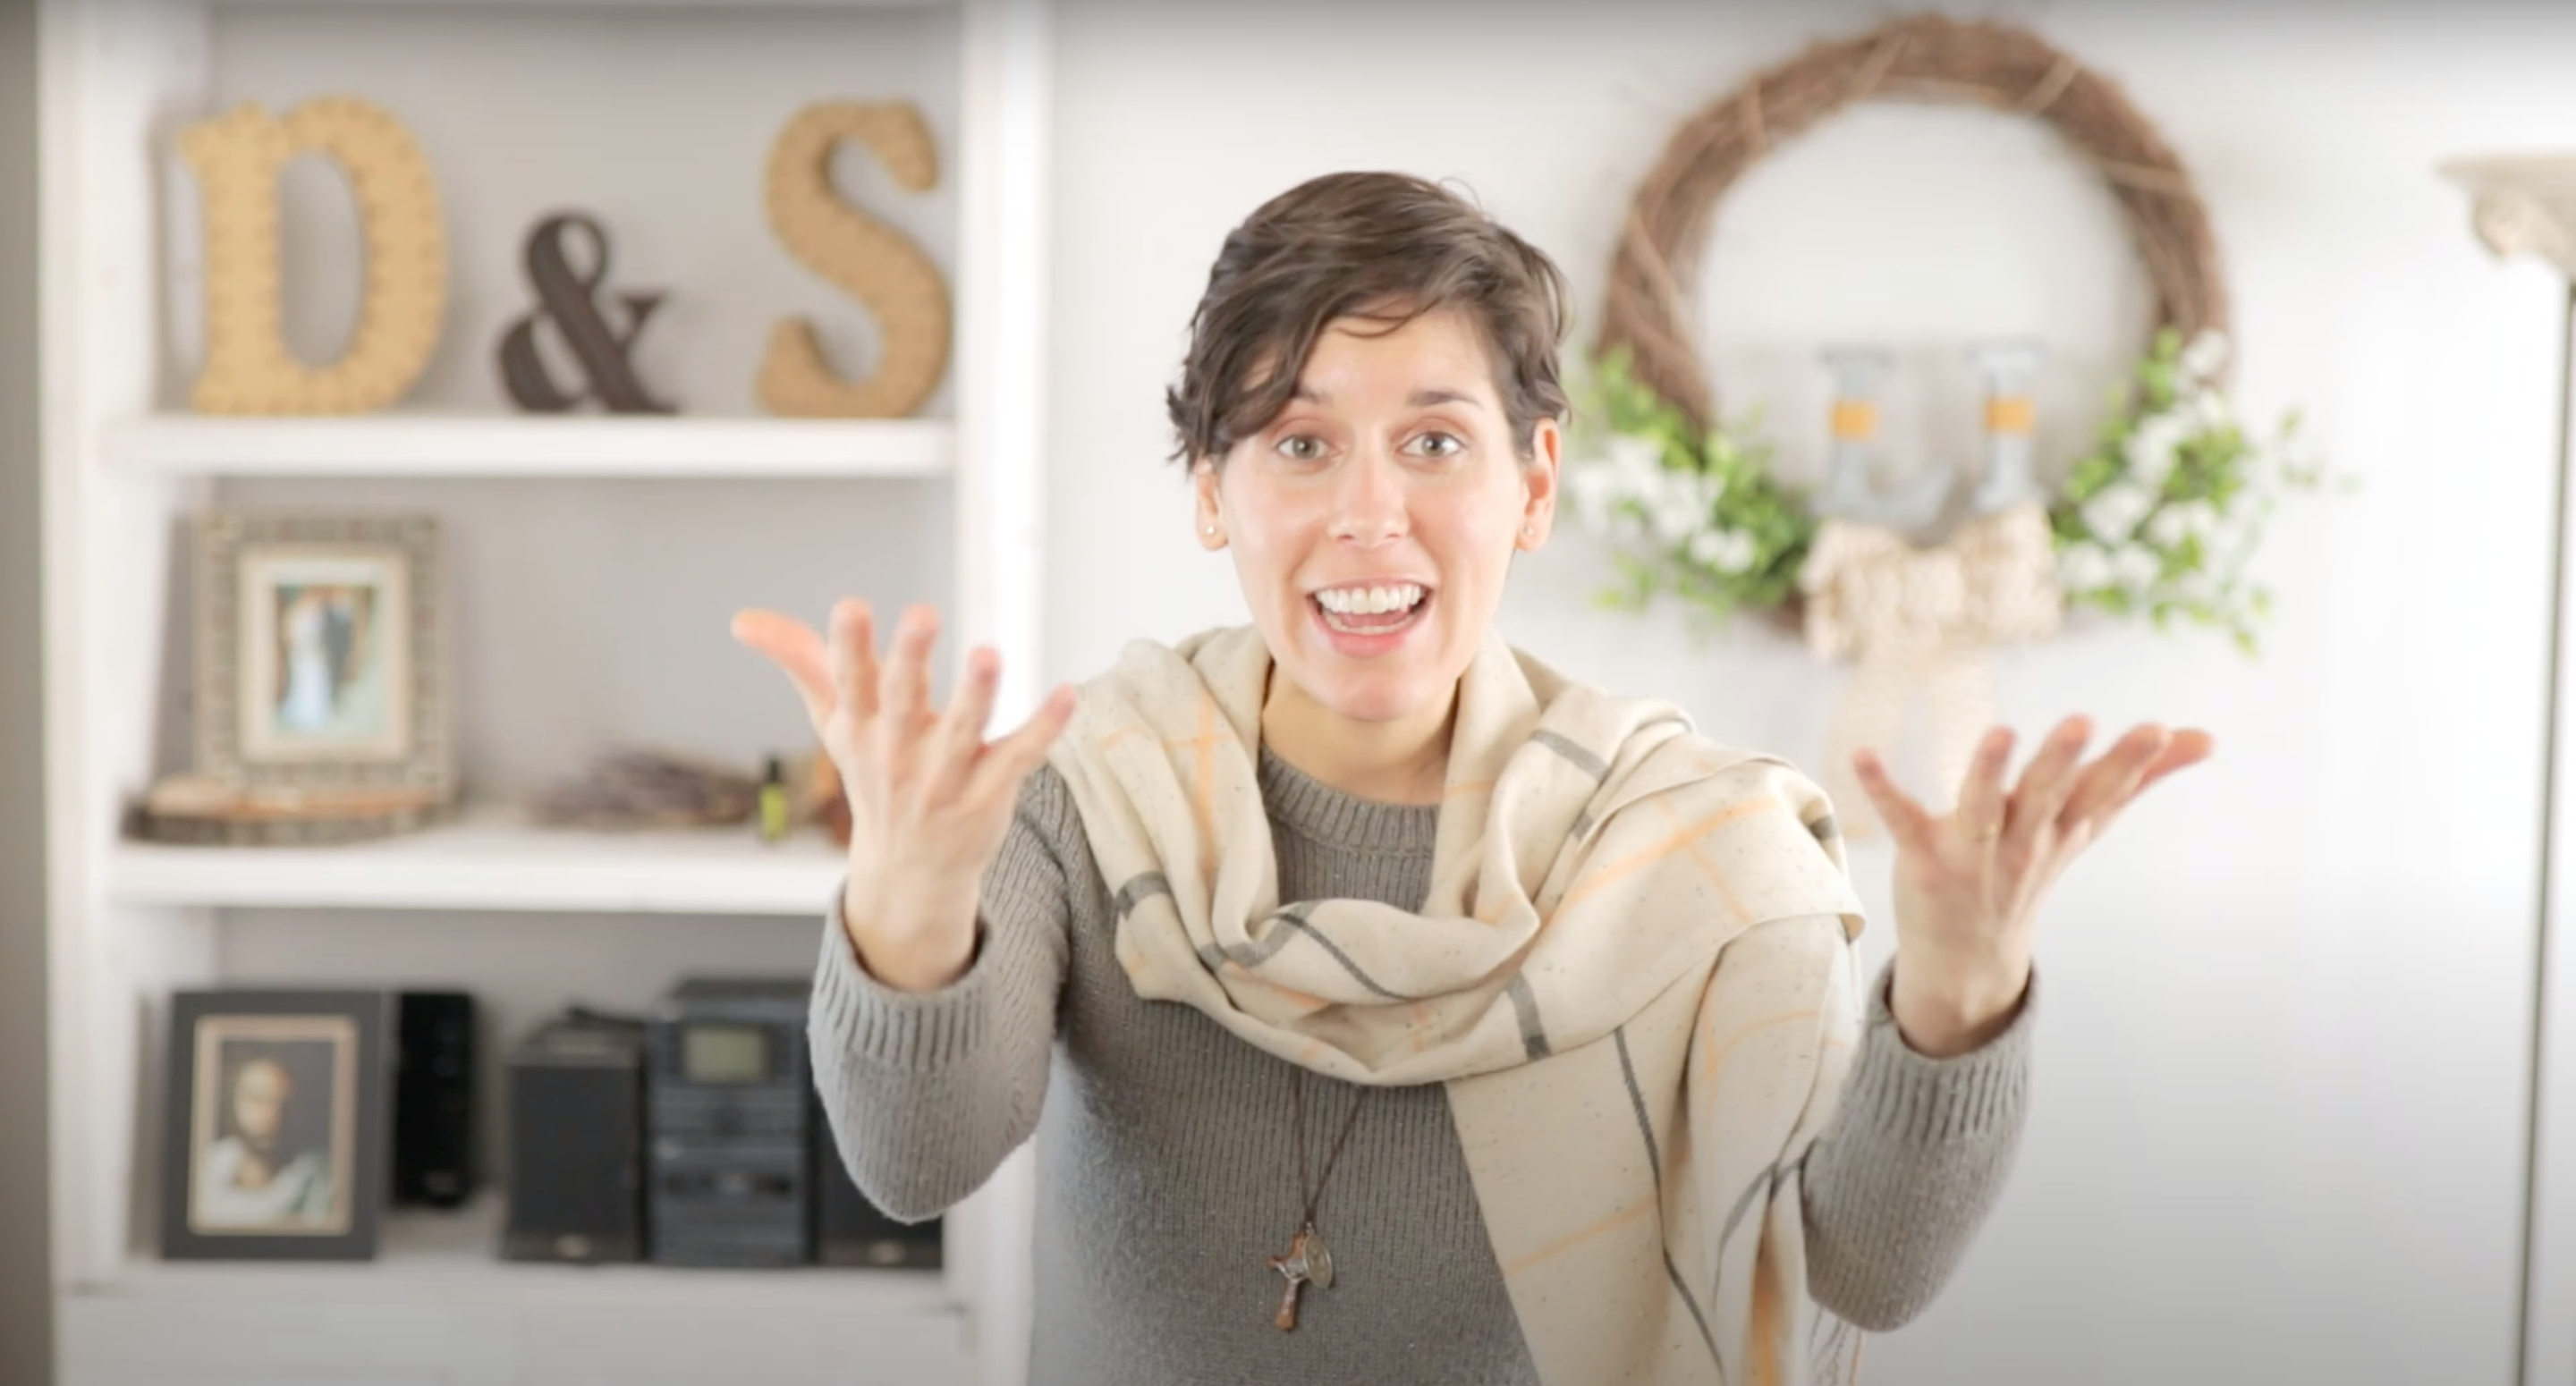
<point x="1969" y="882"/>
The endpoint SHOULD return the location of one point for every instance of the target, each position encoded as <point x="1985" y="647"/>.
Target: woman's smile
<point x="1363" y="620"/>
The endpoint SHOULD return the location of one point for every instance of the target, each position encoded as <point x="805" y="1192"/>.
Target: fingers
<point x="904" y="689"/>
<point x="1009" y="760"/>
<point x="2174" y="751"/>
<point x="1906" y="820"/>
<point x="2046" y="782"/>
<point x="796" y="649"/>
<point x="2108" y="782"/>
<point x="2189" y="747"/>
<point x="1981" y="808"/>
<point x="854" y="658"/>
<point x="960" y="737"/>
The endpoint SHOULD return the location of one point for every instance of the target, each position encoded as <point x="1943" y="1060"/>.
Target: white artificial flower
<point x="1729" y="551"/>
<point x="2113" y="515"/>
<point x="1677" y="512"/>
<point x="2134" y="566"/>
<point x="2154" y="446"/>
<point x="2083" y="567"/>
<point x="1638" y="462"/>
<point x="2209" y="410"/>
<point x="2168" y="527"/>
<point x="1589" y="488"/>
<point x="2203" y="356"/>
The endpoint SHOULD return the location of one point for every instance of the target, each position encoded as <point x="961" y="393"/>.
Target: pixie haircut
<point x="1381" y="246"/>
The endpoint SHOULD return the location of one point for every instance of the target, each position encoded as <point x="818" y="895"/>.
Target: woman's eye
<point x="1436" y="445"/>
<point x="1302" y="447"/>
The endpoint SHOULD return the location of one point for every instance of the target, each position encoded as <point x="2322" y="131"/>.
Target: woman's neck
<point x="1405" y="761"/>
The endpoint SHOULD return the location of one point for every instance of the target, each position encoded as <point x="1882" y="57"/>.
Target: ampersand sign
<point x="570" y="302"/>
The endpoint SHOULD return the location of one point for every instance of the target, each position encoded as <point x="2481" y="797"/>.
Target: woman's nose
<point x="1369" y="504"/>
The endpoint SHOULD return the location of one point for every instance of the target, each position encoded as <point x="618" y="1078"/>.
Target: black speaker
<point x="851" y="1231"/>
<point x="434" y="1099"/>
<point x="576" y="1103"/>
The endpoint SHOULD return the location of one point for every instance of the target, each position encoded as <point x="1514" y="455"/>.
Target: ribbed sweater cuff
<point x="908" y="1031"/>
<point x="1919" y="1099"/>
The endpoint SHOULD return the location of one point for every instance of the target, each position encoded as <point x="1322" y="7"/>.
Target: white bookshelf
<point x="492" y="858"/>
<point x="447" y="1259"/>
<point x="490" y="447"/>
<point x="945" y="506"/>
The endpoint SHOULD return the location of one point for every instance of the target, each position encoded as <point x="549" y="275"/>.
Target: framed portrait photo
<point x="277" y="1122"/>
<point x="321" y="653"/>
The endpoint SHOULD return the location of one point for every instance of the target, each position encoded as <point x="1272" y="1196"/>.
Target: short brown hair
<point x="1378" y="245"/>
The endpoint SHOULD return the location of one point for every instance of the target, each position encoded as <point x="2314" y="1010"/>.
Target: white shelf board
<point x="453" y="1258"/>
<point x="403" y="444"/>
<point x="494" y="859"/>
<point x="718" y="5"/>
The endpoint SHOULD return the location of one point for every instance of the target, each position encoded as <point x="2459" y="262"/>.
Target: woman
<point x="1508" y="1031"/>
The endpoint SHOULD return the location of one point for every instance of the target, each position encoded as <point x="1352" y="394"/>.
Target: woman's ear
<point x="1539" y="482"/>
<point x="1210" y="514"/>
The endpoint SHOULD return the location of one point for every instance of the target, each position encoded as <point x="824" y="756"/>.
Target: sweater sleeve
<point x="1914" y="1159"/>
<point x="928" y="1092"/>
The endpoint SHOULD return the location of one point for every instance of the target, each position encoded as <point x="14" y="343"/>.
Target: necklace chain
<point x="1314" y="1192"/>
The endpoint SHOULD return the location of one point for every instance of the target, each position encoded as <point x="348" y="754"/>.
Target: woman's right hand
<point x="930" y="798"/>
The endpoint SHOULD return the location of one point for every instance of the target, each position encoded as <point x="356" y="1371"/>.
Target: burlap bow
<point x="1918" y="622"/>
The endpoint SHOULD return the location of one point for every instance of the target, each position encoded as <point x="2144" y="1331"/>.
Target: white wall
<point x="2280" y="1116"/>
<point x="26" y="1304"/>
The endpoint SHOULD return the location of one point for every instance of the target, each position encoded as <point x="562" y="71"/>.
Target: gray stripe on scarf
<point x="1255" y="954"/>
<point x="1762" y="1184"/>
<point x="1575" y="756"/>
<point x="1655" y="1163"/>
<point x="1140" y="888"/>
<point x="1348" y="965"/>
<point x="1525" y="1001"/>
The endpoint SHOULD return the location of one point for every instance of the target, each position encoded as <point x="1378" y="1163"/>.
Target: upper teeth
<point x="1365" y="601"/>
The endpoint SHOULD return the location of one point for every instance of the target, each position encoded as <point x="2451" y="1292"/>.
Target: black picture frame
<point x="278" y="1117"/>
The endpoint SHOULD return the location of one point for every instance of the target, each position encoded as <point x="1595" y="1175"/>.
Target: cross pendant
<point x="1292" y="1268"/>
<point x="1308" y="1262"/>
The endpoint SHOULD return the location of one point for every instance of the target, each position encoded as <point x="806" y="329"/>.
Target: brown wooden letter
<point x="875" y="263"/>
<point x="238" y="157"/>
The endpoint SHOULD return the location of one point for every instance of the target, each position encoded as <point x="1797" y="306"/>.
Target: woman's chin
<point x="1380" y="699"/>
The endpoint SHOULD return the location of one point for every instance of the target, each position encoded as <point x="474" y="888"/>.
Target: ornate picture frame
<point x="276" y="1124"/>
<point x="321" y="651"/>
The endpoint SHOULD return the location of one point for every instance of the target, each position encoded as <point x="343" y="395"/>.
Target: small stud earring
<point x="1209" y="529"/>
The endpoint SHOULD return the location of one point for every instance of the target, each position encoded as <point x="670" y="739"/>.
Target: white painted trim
<point x="431" y="445"/>
<point x="2549" y="1326"/>
<point x="60" y="33"/>
<point x="1000" y="509"/>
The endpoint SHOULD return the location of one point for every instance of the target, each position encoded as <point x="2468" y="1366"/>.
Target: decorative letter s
<point x="872" y="261"/>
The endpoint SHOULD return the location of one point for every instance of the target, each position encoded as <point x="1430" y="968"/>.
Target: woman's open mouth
<point x="1365" y="620"/>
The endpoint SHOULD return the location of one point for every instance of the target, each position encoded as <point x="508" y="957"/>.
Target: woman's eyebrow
<point x="1427" y="398"/>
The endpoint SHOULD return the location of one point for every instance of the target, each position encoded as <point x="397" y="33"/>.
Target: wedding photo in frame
<point x="322" y="653"/>
<point x="275" y="1128"/>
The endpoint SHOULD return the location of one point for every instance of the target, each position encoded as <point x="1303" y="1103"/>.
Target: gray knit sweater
<point x="1168" y="1168"/>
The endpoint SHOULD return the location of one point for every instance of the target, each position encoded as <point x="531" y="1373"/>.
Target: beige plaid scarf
<point x="1633" y="972"/>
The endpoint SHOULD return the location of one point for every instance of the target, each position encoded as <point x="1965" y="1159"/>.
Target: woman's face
<point x="1373" y="521"/>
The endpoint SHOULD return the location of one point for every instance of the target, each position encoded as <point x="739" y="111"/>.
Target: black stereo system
<point x="433" y="1099"/>
<point x="691" y="1137"/>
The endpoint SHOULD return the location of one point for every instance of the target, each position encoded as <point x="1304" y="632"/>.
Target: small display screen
<point x="724" y="1054"/>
